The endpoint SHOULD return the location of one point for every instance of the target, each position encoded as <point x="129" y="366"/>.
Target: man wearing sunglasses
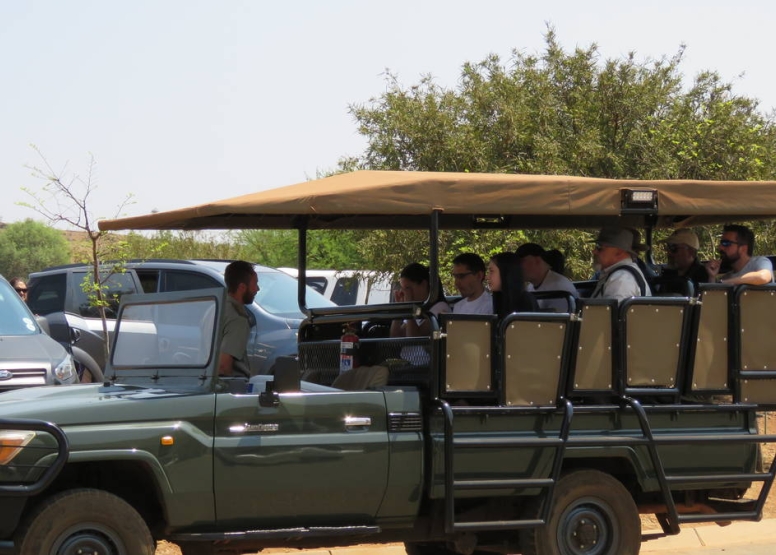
<point x="682" y="254"/>
<point x="620" y="277"/>
<point x="736" y="247"/>
<point x="469" y="275"/>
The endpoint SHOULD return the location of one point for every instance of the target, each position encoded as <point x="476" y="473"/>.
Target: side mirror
<point x="269" y="398"/>
<point x="287" y="379"/>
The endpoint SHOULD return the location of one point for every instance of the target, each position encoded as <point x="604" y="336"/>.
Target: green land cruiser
<point x="544" y="433"/>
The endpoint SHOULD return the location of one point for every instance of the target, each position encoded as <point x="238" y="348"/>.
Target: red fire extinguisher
<point x="348" y="349"/>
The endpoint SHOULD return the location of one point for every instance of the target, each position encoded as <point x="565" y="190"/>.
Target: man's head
<point x="612" y="245"/>
<point x="469" y="274"/>
<point x="533" y="259"/>
<point x="736" y="245"/>
<point x="242" y="283"/>
<point x="682" y="249"/>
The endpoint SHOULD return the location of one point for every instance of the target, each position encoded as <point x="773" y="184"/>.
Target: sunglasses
<point x="20" y="289"/>
<point x="727" y="242"/>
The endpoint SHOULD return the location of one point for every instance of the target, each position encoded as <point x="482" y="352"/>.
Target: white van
<point x="348" y="287"/>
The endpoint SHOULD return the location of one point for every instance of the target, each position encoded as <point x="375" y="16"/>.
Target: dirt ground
<point x="767" y="425"/>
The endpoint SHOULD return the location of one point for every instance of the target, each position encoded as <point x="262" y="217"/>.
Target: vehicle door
<point x="317" y="458"/>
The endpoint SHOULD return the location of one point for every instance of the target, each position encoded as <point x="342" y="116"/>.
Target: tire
<point x="84" y="521"/>
<point x="592" y="514"/>
<point x="88" y="370"/>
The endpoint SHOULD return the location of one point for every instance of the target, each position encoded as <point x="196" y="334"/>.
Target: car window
<point x="317" y="283"/>
<point x="278" y="295"/>
<point x="149" y="280"/>
<point x="345" y="291"/>
<point x="187" y="281"/>
<point x="15" y="319"/>
<point x="114" y="286"/>
<point x="46" y="294"/>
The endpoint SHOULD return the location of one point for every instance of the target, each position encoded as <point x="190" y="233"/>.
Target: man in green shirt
<point x="242" y="284"/>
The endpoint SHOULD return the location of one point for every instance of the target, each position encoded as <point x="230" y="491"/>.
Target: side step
<point x="287" y="533"/>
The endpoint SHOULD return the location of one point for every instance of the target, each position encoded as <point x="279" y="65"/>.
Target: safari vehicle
<point x="543" y="433"/>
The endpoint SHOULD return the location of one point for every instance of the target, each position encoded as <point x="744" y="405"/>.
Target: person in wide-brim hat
<point x="620" y="276"/>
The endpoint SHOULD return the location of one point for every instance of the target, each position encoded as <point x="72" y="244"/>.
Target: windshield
<point x="15" y="318"/>
<point x="166" y="334"/>
<point x="278" y="295"/>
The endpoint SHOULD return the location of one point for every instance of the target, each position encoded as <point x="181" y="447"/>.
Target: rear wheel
<point x="592" y="514"/>
<point x="84" y="521"/>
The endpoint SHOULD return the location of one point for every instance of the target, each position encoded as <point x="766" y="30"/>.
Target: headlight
<point x="12" y="442"/>
<point x="65" y="371"/>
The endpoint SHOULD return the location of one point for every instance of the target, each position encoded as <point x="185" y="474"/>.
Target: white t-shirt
<point x="554" y="281"/>
<point x="481" y="305"/>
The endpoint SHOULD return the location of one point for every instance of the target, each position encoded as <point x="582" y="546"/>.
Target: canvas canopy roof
<point x="399" y="199"/>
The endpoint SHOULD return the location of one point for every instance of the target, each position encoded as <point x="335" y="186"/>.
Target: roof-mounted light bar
<point x="639" y="201"/>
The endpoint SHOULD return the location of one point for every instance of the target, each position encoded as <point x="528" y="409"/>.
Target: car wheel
<point x="592" y="514"/>
<point x="84" y="521"/>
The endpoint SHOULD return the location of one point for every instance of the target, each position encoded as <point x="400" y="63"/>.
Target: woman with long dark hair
<point x="505" y="276"/>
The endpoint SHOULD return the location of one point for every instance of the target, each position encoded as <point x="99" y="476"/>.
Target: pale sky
<point x="183" y="102"/>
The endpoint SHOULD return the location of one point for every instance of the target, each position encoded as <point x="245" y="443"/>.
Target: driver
<point x="242" y="284"/>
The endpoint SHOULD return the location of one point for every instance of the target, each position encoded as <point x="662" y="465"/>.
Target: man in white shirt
<point x="540" y="277"/>
<point x="469" y="275"/>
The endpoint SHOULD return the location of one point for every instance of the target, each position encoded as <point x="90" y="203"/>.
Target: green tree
<point x="30" y="246"/>
<point x="567" y="113"/>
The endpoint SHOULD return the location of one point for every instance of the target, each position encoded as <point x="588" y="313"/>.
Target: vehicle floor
<point x="767" y="425"/>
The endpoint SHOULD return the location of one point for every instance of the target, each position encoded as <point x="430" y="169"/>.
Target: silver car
<point x="28" y="356"/>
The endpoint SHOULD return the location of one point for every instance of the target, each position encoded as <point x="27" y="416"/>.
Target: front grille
<point x="22" y="377"/>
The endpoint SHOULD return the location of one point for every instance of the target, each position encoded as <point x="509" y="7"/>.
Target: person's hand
<point x="712" y="268"/>
<point x="398" y="296"/>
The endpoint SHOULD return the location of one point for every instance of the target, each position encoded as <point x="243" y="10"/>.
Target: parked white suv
<point x="348" y="287"/>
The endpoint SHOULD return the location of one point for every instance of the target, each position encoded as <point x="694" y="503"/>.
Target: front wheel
<point x="84" y="521"/>
<point x="592" y="514"/>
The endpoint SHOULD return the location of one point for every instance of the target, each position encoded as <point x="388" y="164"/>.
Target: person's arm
<point x="757" y="277"/>
<point x="225" y="364"/>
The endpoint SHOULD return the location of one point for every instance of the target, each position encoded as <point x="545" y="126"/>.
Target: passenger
<point x="414" y="281"/>
<point x="557" y="261"/>
<point x="242" y="284"/>
<point x="20" y="287"/>
<point x="469" y="275"/>
<point x="639" y="248"/>
<point x="620" y="277"/>
<point x="505" y="276"/>
<point x="736" y="249"/>
<point x="682" y="252"/>
<point x="540" y="277"/>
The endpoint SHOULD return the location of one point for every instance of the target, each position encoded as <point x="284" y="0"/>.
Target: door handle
<point x="357" y="421"/>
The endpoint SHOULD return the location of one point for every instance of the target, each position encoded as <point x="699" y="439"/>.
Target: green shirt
<point x="234" y="339"/>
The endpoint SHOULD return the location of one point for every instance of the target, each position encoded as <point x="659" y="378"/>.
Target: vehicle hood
<point x="90" y="404"/>
<point x="34" y="348"/>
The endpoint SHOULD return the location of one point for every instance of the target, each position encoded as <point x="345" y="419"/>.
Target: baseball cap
<point x="684" y="237"/>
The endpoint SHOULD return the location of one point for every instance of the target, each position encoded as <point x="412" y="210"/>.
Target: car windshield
<point x="15" y="318"/>
<point x="278" y="295"/>
<point x="171" y="334"/>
